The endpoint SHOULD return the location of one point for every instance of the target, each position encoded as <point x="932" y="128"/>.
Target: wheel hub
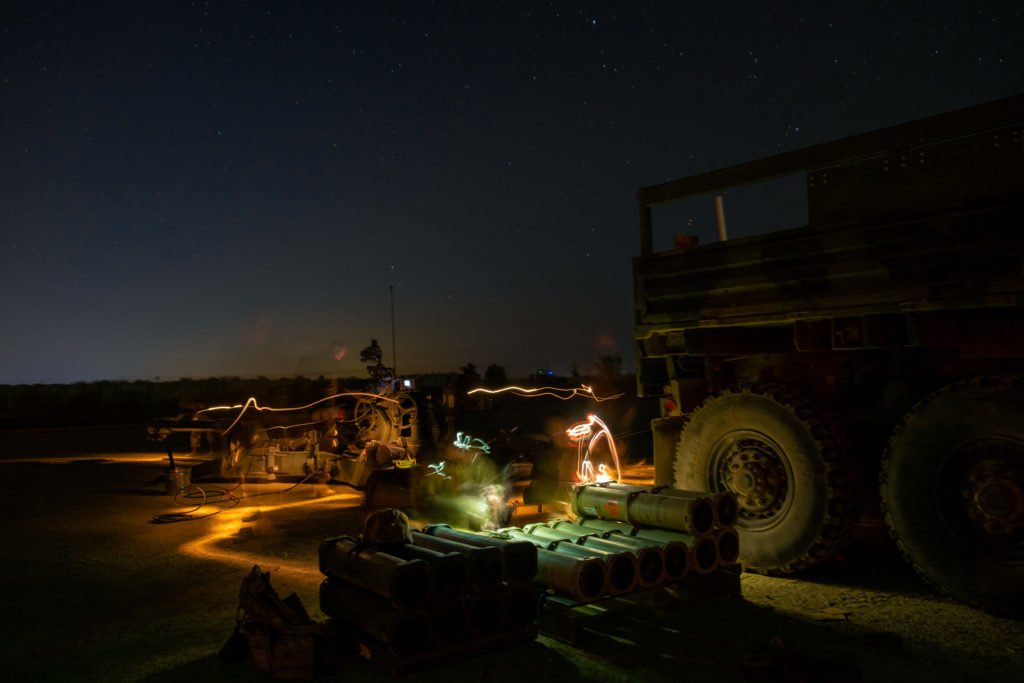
<point x="994" y="496"/>
<point x="754" y="471"/>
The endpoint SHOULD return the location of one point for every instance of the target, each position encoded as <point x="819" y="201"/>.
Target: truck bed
<point x="948" y="258"/>
<point x="922" y="216"/>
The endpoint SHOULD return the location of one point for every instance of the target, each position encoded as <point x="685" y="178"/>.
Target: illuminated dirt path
<point x="231" y="525"/>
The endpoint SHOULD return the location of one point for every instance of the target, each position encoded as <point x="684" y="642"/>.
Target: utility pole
<point x="394" y="349"/>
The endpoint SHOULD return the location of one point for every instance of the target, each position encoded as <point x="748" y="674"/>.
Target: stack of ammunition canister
<point x="448" y="593"/>
<point x="632" y="537"/>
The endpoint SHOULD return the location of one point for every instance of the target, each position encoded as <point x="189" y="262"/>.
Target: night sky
<point x="195" y="189"/>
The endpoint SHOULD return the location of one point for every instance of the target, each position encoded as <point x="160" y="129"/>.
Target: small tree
<point x="608" y="367"/>
<point x="574" y="370"/>
<point x="469" y="378"/>
<point x="494" y="376"/>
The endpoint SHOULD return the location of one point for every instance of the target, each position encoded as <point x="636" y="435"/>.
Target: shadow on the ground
<point x="210" y="668"/>
<point x="873" y="563"/>
<point x="527" y="662"/>
<point x="135" y="492"/>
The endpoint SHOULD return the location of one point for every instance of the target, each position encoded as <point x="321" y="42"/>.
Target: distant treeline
<point x="122" y="402"/>
<point x="136" y="402"/>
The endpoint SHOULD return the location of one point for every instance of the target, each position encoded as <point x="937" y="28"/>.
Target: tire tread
<point x="842" y="476"/>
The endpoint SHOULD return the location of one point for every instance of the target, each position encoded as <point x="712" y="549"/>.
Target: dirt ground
<point x="96" y="591"/>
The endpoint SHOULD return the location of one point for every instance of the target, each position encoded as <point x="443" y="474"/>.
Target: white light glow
<point x="587" y="435"/>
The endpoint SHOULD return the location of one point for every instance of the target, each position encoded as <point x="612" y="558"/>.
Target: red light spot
<point x="612" y="508"/>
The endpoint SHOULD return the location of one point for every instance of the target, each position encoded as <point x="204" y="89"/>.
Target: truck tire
<point x="787" y="463"/>
<point x="952" y="491"/>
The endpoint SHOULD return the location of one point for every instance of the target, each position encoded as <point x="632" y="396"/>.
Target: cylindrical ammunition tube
<point x="650" y="559"/>
<point x="484" y="563"/>
<point x="520" y="559"/>
<point x="723" y="503"/>
<point x="406" y="583"/>
<point x="677" y="551"/>
<point x="621" y="567"/>
<point x="728" y="545"/>
<point x="449" y="621"/>
<point x="404" y="631"/>
<point x="703" y="548"/>
<point x="636" y="506"/>
<point x="449" y="571"/>
<point x="485" y="612"/>
<point x="583" y="579"/>
<point x="521" y="600"/>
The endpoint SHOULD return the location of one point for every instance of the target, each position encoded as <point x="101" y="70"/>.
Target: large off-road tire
<point x="952" y="490"/>
<point x="787" y="463"/>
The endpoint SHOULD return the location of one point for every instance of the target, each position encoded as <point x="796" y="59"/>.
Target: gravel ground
<point x="97" y="592"/>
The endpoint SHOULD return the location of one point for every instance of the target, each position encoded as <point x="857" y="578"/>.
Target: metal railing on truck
<point x="844" y="176"/>
<point x="922" y="216"/>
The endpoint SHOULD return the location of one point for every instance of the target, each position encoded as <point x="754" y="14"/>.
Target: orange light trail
<point x="228" y="524"/>
<point x="98" y="459"/>
<point x="578" y="431"/>
<point x="561" y="393"/>
<point x="251" y="403"/>
<point x="586" y="438"/>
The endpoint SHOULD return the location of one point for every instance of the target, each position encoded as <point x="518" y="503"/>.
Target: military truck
<point x="882" y="340"/>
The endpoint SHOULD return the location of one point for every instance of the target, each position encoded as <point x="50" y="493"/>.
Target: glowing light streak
<point x="98" y="459"/>
<point x="227" y="527"/>
<point x="561" y="393"/>
<point x="586" y="438"/>
<point x="465" y="442"/>
<point x="438" y="469"/>
<point x="301" y="424"/>
<point x="578" y="431"/>
<point x="251" y="403"/>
